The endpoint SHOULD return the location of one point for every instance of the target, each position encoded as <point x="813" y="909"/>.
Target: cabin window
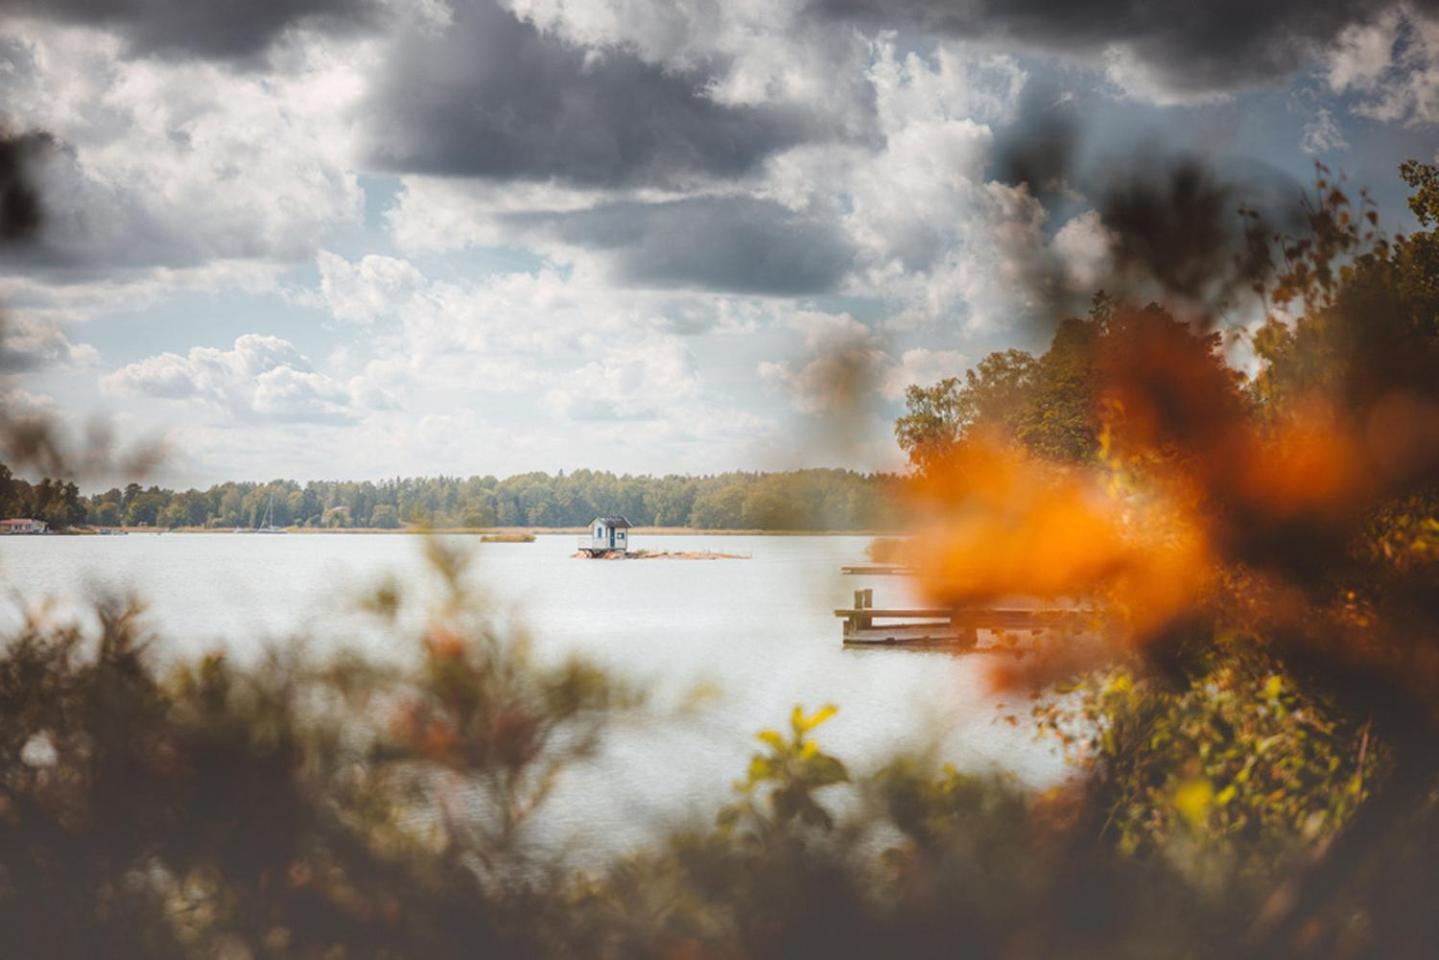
<point x="599" y="532"/>
<point x="620" y="535"/>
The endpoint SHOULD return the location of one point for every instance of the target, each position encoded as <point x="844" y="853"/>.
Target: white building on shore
<point x="22" y="525"/>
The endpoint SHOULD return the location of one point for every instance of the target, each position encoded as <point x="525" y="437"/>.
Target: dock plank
<point x="875" y="569"/>
<point x="919" y="626"/>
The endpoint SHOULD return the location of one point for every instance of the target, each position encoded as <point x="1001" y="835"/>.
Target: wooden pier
<point x="949" y="626"/>
<point x="875" y="570"/>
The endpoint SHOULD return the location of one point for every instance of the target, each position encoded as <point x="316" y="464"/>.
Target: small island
<point x="609" y="539"/>
<point x="664" y="555"/>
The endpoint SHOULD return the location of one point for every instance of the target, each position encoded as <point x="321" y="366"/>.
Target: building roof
<point x="19" y="520"/>
<point x="613" y="522"/>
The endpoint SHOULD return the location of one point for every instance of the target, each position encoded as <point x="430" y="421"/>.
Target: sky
<point x="350" y="239"/>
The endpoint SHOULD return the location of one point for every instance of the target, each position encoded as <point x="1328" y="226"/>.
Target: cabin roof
<point x="613" y="522"/>
<point x="16" y="521"/>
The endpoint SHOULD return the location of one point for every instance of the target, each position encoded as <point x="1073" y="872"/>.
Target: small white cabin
<point x="606" y="535"/>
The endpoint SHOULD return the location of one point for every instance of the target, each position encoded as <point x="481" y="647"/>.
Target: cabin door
<point x="612" y="538"/>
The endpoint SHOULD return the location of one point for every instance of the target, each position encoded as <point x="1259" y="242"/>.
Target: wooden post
<point x="863" y="599"/>
<point x="964" y="629"/>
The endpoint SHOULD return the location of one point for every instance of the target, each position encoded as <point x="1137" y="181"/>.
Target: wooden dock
<point x="950" y="626"/>
<point x="875" y="570"/>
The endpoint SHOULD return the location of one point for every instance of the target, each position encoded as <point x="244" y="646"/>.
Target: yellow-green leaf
<point x="1193" y="800"/>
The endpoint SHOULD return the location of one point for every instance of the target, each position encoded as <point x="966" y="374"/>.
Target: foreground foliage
<point x="1258" y="688"/>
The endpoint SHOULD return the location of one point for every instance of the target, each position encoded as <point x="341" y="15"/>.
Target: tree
<point x="720" y="509"/>
<point x="995" y="394"/>
<point x="384" y="517"/>
<point x="1057" y="417"/>
<point x="10" y="493"/>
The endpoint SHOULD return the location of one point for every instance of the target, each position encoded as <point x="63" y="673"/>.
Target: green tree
<point x="384" y="517"/>
<point x="1057" y="418"/>
<point x="719" y="509"/>
<point x="995" y="395"/>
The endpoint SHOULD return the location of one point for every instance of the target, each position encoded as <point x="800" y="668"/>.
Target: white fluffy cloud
<point x="32" y="343"/>
<point x="260" y="378"/>
<point x="1083" y="246"/>
<point x="20" y="404"/>
<point x="177" y="164"/>
<point x="613" y="370"/>
<point x="634" y="382"/>
<point x="846" y="366"/>
<point x="1392" y="62"/>
<point x="921" y="366"/>
<point x="371" y="289"/>
<point x="937" y="237"/>
<point x="1322" y="134"/>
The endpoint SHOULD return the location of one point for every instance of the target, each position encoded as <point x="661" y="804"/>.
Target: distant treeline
<point x="795" y="500"/>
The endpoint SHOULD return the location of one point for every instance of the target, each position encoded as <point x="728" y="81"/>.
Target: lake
<point x="760" y="631"/>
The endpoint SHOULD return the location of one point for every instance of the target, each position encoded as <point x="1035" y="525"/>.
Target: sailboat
<point x="269" y="525"/>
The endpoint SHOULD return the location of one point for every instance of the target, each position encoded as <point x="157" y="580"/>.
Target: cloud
<point x="731" y="244"/>
<point x="19" y="404"/>
<point x="1322" y="134"/>
<point x="152" y="165"/>
<point x="508" y="333"/>
<point x="369" y="290"/>
<point x="492" y="96"/>
<point x="1083" y="246"/>
<point x="922" y="366"/>
<point x="260" y="378"/>
<point x="847" y="361"/>
<point x="1392" y="62"/>
<point x="30" y="344"/>
<point x="906" y="217"/>
<point x="935" y="236"/>
<point x="1172" y="51"/>
<point x="187" y="28"/>
<point x="461" y="324"/>
<point x="634" y="382"/>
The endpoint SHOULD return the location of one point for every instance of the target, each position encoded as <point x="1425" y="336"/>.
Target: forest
<point x="796" y="500"/>
<point x="57" y="502"/>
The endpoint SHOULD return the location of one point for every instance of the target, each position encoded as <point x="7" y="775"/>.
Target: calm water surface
<point x="759" y="631"/>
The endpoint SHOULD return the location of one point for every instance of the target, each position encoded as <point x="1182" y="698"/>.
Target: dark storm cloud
<point x="736" y="245"/>
<point x="1192" y="45"/>
<point x="494" y="97"/>
<point x="211" y="29"/>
